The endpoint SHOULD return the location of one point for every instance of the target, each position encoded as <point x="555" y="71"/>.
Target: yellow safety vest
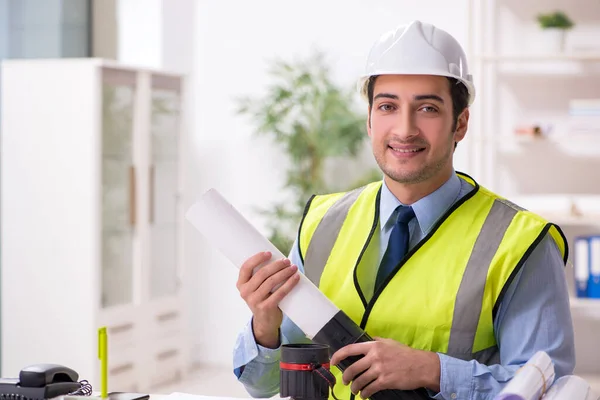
<point x="444" y="295"/>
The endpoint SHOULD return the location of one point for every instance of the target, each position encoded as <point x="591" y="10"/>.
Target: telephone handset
<point x="40" y="381"/>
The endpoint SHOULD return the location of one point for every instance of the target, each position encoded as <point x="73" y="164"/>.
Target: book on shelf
<point x="587" y="266"/>
<point x="584" y="116"/>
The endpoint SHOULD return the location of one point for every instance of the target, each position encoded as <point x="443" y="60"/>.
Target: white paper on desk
<point x="228" y="231"/>
<point x="186" y="396"/>
<point x="528" y="383"/>
<point x="570" y="387"/>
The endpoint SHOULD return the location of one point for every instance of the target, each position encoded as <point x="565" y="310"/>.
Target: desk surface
<point x="156" y="396"/>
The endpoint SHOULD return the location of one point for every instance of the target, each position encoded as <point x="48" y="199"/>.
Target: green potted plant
<point x="554" y="25"/>
<point x="317" y="126"/>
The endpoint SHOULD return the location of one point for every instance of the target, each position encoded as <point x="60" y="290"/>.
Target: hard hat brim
<point x="361" y="85"/>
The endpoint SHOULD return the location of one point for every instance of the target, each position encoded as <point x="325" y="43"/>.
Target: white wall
<point x="234" y="40"/>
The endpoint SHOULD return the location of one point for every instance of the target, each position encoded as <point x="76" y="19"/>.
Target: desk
<point x="159" y="396"/>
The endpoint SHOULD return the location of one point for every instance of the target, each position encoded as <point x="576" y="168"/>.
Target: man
<point x="459" y="286"/>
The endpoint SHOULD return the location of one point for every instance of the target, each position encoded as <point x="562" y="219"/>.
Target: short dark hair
<point x="458" y="92"/>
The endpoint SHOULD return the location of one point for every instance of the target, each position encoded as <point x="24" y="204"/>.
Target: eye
<point x="429" y="109"/>
<point x="386" y="107"/>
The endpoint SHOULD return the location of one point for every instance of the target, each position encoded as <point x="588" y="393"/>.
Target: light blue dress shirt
<point x="534" y="314"/>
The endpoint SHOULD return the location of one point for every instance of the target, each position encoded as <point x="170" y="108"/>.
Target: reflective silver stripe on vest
<point x="469" y="299"/>
<point x="326" y="234"/>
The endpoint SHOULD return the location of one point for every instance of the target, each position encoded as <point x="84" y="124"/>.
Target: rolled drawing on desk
<point x="321" y="320"/>
<point x="531" y="381"/>
<point x="570" y="387"/>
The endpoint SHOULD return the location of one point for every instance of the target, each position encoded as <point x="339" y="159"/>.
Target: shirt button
<point x="453" y="395"/>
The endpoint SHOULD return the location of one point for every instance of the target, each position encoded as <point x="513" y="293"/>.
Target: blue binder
<point x="593" y="287"/>
<point x="582" y="265"/>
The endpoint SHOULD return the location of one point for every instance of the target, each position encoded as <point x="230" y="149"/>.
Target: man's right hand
<point x="256" y="292"/>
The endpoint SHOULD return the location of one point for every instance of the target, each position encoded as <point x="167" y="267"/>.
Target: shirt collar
<point x="428" y="209"/>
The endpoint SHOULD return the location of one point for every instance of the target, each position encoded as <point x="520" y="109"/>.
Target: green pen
<point x="103" y="356"/>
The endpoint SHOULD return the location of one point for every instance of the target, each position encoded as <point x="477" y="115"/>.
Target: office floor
<point x="221" y="382"/>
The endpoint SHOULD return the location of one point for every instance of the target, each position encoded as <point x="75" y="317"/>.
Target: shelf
<point x="583" y="12"/>
<point x="563" y="209"/>
<point x="527" y="139"/>
<point x="575" y="65"/>
<point x="558" y="139"/>
<point x="571" y="220"/>
<point x="529" y="58"/>
<point x="587" y="307"/>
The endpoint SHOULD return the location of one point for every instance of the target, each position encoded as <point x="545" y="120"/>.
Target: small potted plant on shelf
<point x="554" y="25"/>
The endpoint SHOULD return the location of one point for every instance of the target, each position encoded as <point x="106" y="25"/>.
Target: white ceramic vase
<point x="551" y="41"/>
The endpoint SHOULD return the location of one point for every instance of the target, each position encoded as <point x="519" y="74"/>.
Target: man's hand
<point x="256" y="292"/>
<point x="388" y="364"/>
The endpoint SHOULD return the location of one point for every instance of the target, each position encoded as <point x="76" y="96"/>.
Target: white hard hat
<point x="418" y="49"/>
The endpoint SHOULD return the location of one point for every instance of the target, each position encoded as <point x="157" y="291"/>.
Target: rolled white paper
<point x="226" y="229"/>
<point x="570" y="387"/>
<point x="531" y="381"/>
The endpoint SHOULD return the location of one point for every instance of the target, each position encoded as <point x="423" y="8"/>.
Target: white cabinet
<point x="92" y="220"/>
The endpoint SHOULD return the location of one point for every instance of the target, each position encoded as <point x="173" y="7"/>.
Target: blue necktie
<point x="397" y="245"/>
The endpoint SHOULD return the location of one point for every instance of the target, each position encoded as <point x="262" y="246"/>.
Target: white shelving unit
<point x="518" y="84"/>
<point x="503" y="35"/>
<point x="91" y="220"/>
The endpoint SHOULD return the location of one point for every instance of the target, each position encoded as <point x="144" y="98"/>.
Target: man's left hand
<point x="388" y="364"/>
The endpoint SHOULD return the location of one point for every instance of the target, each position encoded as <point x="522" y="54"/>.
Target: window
<point x="45" y="29"/>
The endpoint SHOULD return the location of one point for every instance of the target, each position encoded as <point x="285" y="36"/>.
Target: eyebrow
<point x="417" y="97"/>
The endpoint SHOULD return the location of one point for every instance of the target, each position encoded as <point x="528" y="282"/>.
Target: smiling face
<point x="411" y="128"/>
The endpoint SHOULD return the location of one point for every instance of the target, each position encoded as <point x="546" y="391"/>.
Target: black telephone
<point x="40" y="381"/>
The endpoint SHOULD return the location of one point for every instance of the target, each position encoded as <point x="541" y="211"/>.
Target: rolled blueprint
<point x="531" y="381"/>
<point x="227" y="230"/>
<point x="571" y="387"/>
<point x="321" y="320"/>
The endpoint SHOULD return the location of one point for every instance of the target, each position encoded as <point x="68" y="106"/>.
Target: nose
<point x="405" y="126"/>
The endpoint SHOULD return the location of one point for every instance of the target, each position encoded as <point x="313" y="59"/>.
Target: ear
<point x="462" y="124"/>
